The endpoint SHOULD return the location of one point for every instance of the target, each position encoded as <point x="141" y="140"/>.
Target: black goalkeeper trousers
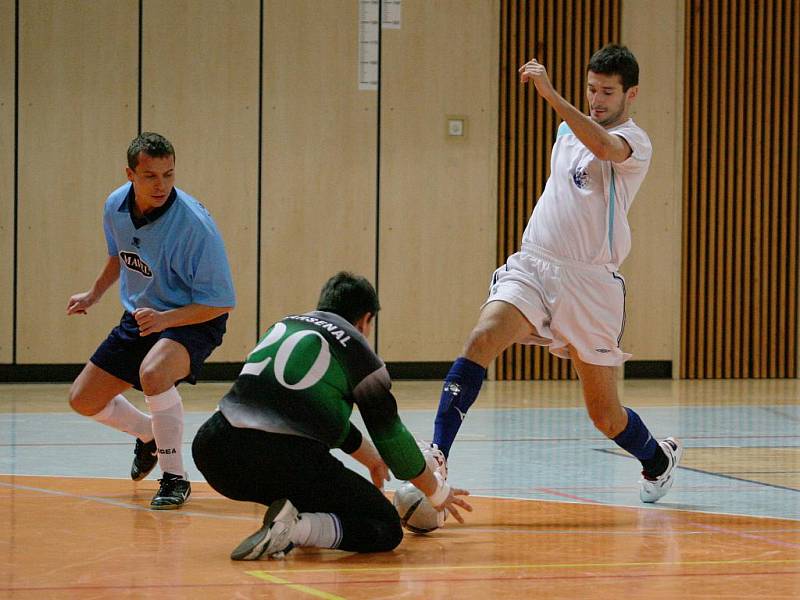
<point x="256" y="466"/>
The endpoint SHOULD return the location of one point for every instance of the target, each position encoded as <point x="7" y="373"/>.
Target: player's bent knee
<point x="76" y="405"/>
<point x="153" y="379"/>
<point x="81" y="404"/>
<point x="393" y="536"/>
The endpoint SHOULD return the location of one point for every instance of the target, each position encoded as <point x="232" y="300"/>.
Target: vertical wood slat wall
<point x="563" y="35"/>
<point x="740" y="189"/>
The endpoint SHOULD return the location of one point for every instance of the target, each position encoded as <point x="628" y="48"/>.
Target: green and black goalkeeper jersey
<point x="303" y="378"/>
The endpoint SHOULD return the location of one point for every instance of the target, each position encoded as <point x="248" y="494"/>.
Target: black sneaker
<point x="172" y="493"/>
<point x="145" y="458"/>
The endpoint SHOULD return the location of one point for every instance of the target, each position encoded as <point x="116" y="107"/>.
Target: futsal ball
<point x="416" y="511"/>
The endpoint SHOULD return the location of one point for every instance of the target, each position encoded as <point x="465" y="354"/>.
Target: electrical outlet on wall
<point x="456" y="127"/>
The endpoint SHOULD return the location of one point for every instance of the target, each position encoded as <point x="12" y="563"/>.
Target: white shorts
<point x="568" y="302"/>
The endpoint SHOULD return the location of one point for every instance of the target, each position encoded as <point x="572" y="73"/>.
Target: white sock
<point x="124" y="416"/>
<point x="319" y="530"/>
<point x="167" y="411"/>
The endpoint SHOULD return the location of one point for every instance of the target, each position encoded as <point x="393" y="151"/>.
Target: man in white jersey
<point x="176" y="288"/>
<point x="562" y="289"/>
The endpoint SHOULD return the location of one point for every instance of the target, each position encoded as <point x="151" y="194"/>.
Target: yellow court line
<point x="535" y="566"/>
<point x="263" y="575"/>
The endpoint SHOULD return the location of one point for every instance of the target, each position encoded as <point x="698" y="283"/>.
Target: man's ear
<point x="362" y="323"/>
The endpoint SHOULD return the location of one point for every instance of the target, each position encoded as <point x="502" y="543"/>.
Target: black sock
<point x="653" y="467"/>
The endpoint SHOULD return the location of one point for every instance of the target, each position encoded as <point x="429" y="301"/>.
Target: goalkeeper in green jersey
<point x="270" y="440"/>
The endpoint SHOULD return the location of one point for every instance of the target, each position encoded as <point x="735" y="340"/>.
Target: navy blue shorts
<point x="123" y="351"/>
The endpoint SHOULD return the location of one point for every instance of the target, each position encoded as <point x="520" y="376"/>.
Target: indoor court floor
<point x="557" y="513"/>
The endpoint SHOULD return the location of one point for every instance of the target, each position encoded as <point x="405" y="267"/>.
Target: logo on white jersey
<point x="580" y="177"/>
<point x="135" y="263"/>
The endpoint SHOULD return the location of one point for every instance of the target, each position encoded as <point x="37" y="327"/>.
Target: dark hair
<point x="349" y="296"/>
<point x="616" y="60"/>
<point x="152" y="144"/>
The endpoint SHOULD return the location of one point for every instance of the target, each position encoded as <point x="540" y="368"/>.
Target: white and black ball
<point x="415" y="510"/>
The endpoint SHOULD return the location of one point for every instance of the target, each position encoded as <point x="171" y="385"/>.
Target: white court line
<point x="658" y="507"/>
<point x="118" y="503"/>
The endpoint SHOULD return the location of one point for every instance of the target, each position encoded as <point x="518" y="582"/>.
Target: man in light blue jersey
<point x="176" y="289"/>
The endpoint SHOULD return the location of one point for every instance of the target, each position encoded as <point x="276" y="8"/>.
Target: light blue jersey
<point x="169" y="258"/>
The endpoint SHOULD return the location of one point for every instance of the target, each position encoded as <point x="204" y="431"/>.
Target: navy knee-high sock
<point x="461" y="387"/>
<point x="637" y="440"/>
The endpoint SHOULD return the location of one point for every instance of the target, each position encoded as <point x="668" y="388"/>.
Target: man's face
<point x="608" y="104"/>
<point x="152" y="180"/>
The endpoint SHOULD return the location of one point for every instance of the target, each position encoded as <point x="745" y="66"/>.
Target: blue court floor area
<point x="742" y="455"/>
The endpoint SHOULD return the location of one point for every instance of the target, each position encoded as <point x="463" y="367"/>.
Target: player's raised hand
<point x="535" y="72"/>
<point x="79" y="303"/>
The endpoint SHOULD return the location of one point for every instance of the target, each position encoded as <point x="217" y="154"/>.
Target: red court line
<point x="565" y="495"/>
<point x="745" y="534"/>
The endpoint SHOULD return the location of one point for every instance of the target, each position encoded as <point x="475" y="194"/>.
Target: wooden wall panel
<point x="319" y="154"/>
<point x="653" y="30"/>
<point x="740" y="214"/>
<point x="200" y="88"/>
<point x="7" y="36"/>
<point x="438" y="192"/>
<point x="563" y="35"/>
<point x="77" y="114"/>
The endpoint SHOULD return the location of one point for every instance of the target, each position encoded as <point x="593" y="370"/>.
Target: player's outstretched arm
<point x="79" y="303"/>
<point x="441" y="495"/>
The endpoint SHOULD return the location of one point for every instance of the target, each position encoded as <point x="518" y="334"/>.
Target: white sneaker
<point x="651" y="490"/>
<point x="434" y="458"/>
<point x="274" y="537"/>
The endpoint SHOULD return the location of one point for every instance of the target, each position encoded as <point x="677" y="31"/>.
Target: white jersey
<point x="582" y="215"/>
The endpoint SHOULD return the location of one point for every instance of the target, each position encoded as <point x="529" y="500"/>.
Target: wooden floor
<point x="71" y="536"/>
